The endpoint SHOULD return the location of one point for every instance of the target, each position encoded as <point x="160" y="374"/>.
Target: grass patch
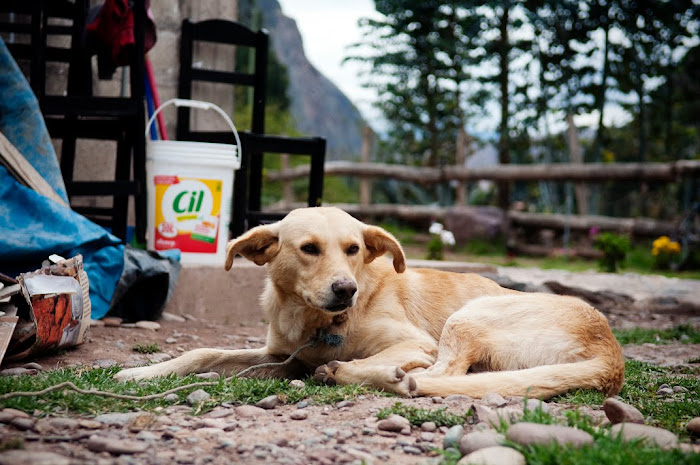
<point x="243" y="391"/>
<point x="418" y="416"/>
<point x="641" y="383"/>
<point x="147" y="348"/>
<point x="686" y="334"/>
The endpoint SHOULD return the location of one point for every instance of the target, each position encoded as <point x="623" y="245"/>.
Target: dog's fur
<point x="409" y="331"/>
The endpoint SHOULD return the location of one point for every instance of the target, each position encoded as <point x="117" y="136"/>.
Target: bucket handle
<point x="179" y="102"/>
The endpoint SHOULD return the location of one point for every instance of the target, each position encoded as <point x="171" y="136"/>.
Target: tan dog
<point x="326" y="282"/>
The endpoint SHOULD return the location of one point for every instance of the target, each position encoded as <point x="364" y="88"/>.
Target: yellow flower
<point x="661" y="242"/>
<point x="674" y="247"/>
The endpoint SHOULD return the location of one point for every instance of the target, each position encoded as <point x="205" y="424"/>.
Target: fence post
<point x="365" y="184"/>
<point x="460" y="158"/>
<point x="288" y="194"/>
<point x="580" y="189"/>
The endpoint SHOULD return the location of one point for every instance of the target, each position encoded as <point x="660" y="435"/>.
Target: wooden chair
<point x="247" y="205"/>
<point x="80" y="115"/>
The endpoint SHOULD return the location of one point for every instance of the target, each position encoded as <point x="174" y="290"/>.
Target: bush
<point x="614" y="248"/>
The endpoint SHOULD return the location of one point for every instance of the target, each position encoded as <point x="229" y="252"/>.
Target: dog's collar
<point x="325" y="336"/>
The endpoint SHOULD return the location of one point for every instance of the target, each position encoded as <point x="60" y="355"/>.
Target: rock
<point x="532" y="405"/>
<point x="36" y="366"/>
<point x="115" y="446"/>
<point x="498" y="455"/>
<point x="171" y="398"/>
<point x="249" y="411"/>
<point x="675" y="388"/>
<point x="167" y="316"/>
<point x="8" y="414"/>
<point x="453" y="436"/>
<point x="666" y="391"/>
<point x="429" y="426"/>
<point x="533" y="433"/>
<point x="90" y="424"/>
<point x="96" y="323"/>
<point x="24" y="424"/>
<point x="436" y="400"/>
<point x="200" y="395"/>
<point x="148" y="436"/>
<point x="119" y="419"/>
<point x="427" y="436"/>
<point x="104" y="363"/>
<point x="650" y="434"/>
<point x="170" y="340"/>
<point x="18" y="371"/>
<point x="413" y="450"/>
<point x="297" y="383"/>
<point x="159" y="357"/>
<point x="394" y="423"/>
<point x="208" y="375"/>
<point x="61" y="423"/>
<point x="619" y="412"/>
<point x="141" y="422"/>
<point x="344" y="403"/>
<point x="27" y="457"/>
<point x="145" y="324"/>
<point x="457" y="398"/>
<point x="299" y="415"/>
<point x="480" y="440"/>
<point x="494" y="399"/>
<point x="302" y="404"/>
<point x="112" y="321"/>
<point x="269" y="402"/>
<point x="693" y="426"/>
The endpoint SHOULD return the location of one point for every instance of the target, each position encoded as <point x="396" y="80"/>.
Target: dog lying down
<point x="413" y="332"/>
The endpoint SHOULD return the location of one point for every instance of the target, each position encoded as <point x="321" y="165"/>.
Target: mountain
<point x="317" y="105"/>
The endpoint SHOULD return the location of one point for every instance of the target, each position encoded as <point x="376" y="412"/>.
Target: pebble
<point x="115" y="446"/>
<point x="436" y="400"/>
<point x="36" y="366"/>
<point x="220" y="413"/>
<point x="297" y="383"/>
<point x="494" y="399"/>
<point x="18" y="371"/>
<point x="480" y="440"/>
<point x="651" y="434"/>
<point x="9" y="413"/>
<point x="675" y="388"/>
<point x="299" y="415"/>
<point x="200" y="395"/>
<point x="429" y="426"/>
<point x="147" y="436"/>
<point x="269" y="402"/>
<point x="170" y="340"/>
<point x="302" y="404"/>
<point x="24" y="424"/>
<point x="427" y="436"/>
<point x="413" y="450"/>
<point x="619" y="412"/>
<point x="145" y="324"/>
<point x="498" y="455"/>
<point x="167" y="316"/>
<point x="393" y="423"/>
<point x="104" y="363"/>
<point x="249" y="411"/>
<point x="664" y="391"/>
<point x="90" y="424"/>
<point x="172" y="398"/>
<point x="118" y="419"/>
<point x="453" y="436"/>
<point x="27" y="457"/>
<point x="533" y="433"/>
<point x="61" y="423"/>
<point x="112" y="321"/>
<point x="693" y="426"/>
<point x="208" y="375"/>
<point x="457" y="398"/>
<point x="533" y="405"/>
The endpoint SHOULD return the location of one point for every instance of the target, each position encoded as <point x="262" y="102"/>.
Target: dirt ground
<point x="288" y="434"/>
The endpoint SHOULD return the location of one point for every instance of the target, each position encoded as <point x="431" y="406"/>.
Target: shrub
<point x="614" y="248"/>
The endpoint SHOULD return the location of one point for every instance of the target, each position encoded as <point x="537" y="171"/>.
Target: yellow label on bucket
<point x="187" y="214"/>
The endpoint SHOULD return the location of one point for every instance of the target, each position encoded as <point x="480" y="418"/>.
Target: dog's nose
<point x="344" y="289"/>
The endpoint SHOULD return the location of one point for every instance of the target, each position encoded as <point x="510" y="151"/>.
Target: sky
<point x="327" y="29"/>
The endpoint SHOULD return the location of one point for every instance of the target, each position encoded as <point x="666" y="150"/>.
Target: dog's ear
<point x="378" y="242"/>
<point x="258" y="245"/>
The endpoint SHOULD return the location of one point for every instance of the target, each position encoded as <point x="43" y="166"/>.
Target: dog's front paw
<point x="326" y="373"/>
<point x="135" y="374"/>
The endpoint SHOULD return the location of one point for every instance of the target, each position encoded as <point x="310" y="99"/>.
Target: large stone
<point x="27" y="457"/>
<point x="650" y="434"/>
<point x="249" y="411"/>
<point x="467" y="223"/>
<point x="269" y="402"/>
<point x="393" y="423"/>
<point x="453" y="437"/>
<point x="693" y="426"/>
<point x="200" y="395"/>
<point x="619" y="412"/>
<point x="480" y="440"/>
<point x="527" y="434"/>
<point x="497" y="455"/>
<point x="494" y="399"/>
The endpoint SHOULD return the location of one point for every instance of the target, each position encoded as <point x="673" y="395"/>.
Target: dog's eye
<point x="310" y="249"/>
<point x="353" y="249"/>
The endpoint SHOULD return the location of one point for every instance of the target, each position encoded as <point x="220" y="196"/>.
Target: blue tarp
<point x="32" y="227"/>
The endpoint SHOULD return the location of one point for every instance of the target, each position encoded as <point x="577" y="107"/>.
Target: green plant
<point x="439" y="238"/>
<point x="147" y="348"/>
<point x="614" y="248"/>
<point x="684" y="333"/>
<point x="418" y="416"/>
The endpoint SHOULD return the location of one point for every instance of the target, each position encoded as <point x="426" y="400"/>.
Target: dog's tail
<point x="602" y="373"/>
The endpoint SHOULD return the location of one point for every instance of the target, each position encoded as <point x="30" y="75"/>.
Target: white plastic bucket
<point x="189" y="187"/>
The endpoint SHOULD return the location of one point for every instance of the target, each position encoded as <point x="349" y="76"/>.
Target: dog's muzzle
<point x="344" y="291"/>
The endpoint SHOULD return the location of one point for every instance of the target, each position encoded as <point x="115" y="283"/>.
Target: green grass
<point x="418" y="416"/>
<point x="244" y="391"/>
<point x="147" y="348"/>
<point x="686" y="334"/>
<point x="641" y="382"/>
